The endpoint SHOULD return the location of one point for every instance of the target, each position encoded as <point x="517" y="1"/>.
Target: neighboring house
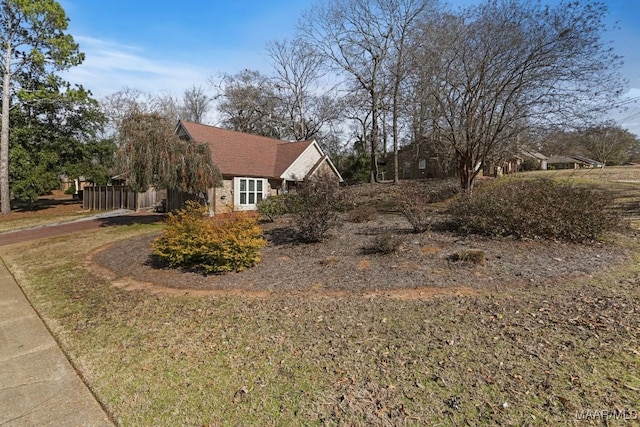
<point x="77" y="184"/>
<point x="571" y="162"/>
<point x="252" y="167"/>
<point x="419" y="160"/>
<point x="523" y="161"/>
<point x="537" y="159"/>
<point x="590" y="163"/>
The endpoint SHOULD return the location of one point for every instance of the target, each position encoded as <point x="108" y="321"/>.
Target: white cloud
<point x="110" y="66"/>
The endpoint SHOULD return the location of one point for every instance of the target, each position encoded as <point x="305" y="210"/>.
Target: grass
<point x="20" y="222"/>
<point x="533" y="356"/>
<point x="48" y="209"/>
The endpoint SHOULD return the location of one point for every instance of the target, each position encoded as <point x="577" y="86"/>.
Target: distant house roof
<point x="584" y="161"/>
<point x="243" y="154"/>
<point x="594" y="163"/>
<point x="562" y="159"/>
<point x="534" y="154"/>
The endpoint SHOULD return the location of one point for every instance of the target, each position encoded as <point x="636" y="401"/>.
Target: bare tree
<point x="166" y="105"/>
<point x="609" y="143"/>
<point x="195" y="104"/>
<point x="128" y="102"/>
<point x="123" y="103"/>
<point x="298" y="70"/>
<point x="355" y="37"/>
<point x="505" y="65"/>
<point x="248" y="103"/>
<point x="404" y="17"/>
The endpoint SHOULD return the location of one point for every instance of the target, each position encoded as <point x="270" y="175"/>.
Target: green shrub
<point x="273" y="207"/>
<point x="538" y="208"/>
<point x="215" y="245"/>
<point x="363" y="213"/>
<point x="315" y="207"/>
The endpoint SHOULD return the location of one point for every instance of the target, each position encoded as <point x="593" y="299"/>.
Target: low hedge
<point x="539" y="209"/>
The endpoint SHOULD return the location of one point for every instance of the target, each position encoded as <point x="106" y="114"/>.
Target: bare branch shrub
<point x="315" y="207"/>
<point x="534" y="209"/>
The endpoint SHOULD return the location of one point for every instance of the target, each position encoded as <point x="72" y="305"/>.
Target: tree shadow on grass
<point x="133" y="218"/>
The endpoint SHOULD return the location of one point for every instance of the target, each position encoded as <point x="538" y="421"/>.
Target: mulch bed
<point x="346" y="262"/>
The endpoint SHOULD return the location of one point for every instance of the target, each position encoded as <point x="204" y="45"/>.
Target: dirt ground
<point x="346" y="264"/>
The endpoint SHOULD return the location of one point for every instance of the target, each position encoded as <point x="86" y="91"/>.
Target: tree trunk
<point x="396" y="177"/>
<point x="466" y="172"/>
<point x="5" y="195"/>
<point x="374" y="138"/>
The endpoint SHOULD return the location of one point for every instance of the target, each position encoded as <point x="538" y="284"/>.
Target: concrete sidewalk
<point x="38" y="385"/>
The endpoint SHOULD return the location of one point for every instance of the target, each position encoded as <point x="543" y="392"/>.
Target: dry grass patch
<point x="330" y="261"/>
<point x="430" y="250"/>
<point x="18" y="221"/>
<point x="382" y="359"/>
<point x="364" y="264"/>
<point x="356" y="354"/>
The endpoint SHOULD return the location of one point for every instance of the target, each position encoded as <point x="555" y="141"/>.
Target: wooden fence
<point x="176" y="199"/>
<point x="112" y="197"/>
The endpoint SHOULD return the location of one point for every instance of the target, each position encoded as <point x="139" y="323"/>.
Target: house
<point x="524" y="160"/>
<point x="571" y="162"/>
<point x="252" y="167"/>
<point x="77" y="184"/>
<point x="419" y="160"/>
<point x="590" y="163"/>
<point x="533" y="160"/>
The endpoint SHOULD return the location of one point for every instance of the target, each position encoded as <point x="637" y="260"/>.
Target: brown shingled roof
<point x="243" y="154"/>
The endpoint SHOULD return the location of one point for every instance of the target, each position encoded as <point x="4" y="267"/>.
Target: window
<point x="422" y="164"/>
<point x="249" y="191"/>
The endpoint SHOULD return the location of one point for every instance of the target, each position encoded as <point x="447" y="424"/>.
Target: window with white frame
<point x="249" y="191"/>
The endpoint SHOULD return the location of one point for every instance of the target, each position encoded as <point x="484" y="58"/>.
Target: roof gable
<point x="243" y="154"/>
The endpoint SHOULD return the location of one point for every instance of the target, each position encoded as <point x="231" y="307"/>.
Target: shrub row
<point x="214" y="245"/>
<point x="541" y="208"/>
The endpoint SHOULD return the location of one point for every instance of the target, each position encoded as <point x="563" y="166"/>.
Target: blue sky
<point x="166" y="47"/>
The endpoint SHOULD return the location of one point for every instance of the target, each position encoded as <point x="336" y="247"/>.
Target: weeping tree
<point x="151" y="154"/>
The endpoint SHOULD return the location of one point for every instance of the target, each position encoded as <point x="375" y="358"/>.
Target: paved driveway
<point x="91" y="223"/>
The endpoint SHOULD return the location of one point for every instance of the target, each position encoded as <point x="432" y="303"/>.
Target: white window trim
<point x="236" y="192"/>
